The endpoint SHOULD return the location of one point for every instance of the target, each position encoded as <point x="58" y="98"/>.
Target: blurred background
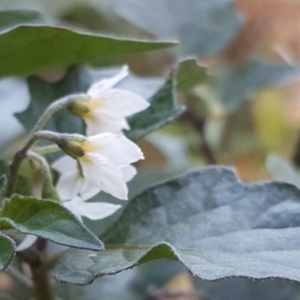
<point x="238" y="76"/>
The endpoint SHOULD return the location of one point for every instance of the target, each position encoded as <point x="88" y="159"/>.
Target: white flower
<point x="91" y="210"/>
<point x="108" y="107"/>
<point x="104" y="166"/>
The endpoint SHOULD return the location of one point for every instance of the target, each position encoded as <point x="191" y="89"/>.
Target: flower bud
<point x="78" y="105"/>
<point x="71" y="144"/>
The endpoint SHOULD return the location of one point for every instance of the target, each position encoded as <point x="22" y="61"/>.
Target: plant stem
<point x="49" y="112"/>
<point x="46" y="149"/>
<point x="198" y="122"/>
<point x="40" y="267"/>
<point x="49" y="191"/>
<point x="42" y="283"/>
<point x="21" y="154"/>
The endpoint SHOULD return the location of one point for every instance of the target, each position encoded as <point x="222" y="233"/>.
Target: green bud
<point x="71" y="144"/>
<point x="78" y="105"/>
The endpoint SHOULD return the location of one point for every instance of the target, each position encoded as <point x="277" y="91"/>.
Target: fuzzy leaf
<point x="27" y="48"/>
<point x="209" y="221"/>
<point x="162" y="111"/>
<point x="49" y="220"/>
<point x="7" y="251"/>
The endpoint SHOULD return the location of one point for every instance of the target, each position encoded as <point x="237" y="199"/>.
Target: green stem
<point x="32" y="138"/>
<point x="46" y="149"/>
<point x="49" y="112"/>
<point x="21" y="154"/>
<point x="49" y="191"/>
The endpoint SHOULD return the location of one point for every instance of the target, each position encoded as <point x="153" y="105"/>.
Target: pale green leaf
<point x="209" y="221"/>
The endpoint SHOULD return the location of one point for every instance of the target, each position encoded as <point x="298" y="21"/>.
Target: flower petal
<point x="117" y="149"/>
<point x="88" y="190"/>
<point x="108" y="178"/>
<point x="104" y="123"/>
<point x="64" y="163"/>
<point x="121" y="103"/>
<point x="91" y="210"/>
<point x="129" y="172"/>
<point x="97" y="88"/>
<point x="69" y="185"/>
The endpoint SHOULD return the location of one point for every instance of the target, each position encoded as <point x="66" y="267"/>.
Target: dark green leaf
<point x="43" y="93"/>
<point x="28" y="49"/>
<point x="7" y="251"/>
<point x="235" y="84"/>
<point x="203" y="27"/>
<point x="49" y="220"/>
<point x="3" y="181"/>
<point x="190" y="74"/>
<point x="209" y="221"/>
<point x="10" y="18"/>
<point x="162" y="110"/>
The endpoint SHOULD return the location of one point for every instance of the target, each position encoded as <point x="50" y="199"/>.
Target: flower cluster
<point x="105" y="157"/>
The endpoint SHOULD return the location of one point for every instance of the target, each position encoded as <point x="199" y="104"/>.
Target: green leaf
<point x="209" y="221"/>
<point x="7" y="251"/>
<point x="235" y="84"/>
<point x="10" y="18"/>
<point x="162" y="111"/>
<point x="49" y="220"/>
<point x="27" y="49"/>
<point x="203" y="27"/>
<point x="43" y="93"/>
<point x="190" y="74"/>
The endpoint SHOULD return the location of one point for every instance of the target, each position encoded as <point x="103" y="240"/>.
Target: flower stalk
<point x="21" y="154"/>
<point x="48" y="190"/>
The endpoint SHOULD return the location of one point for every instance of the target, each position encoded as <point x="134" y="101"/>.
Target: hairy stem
<point x="21" y="154"/>
<point x="46" y="149"/>
<point x="49" y="112"/>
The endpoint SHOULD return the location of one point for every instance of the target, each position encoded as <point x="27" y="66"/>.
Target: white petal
<point x="93" y="210"/>
<point x="69" y="185"/>
<point x="27" y="242"/>
<point x="117" y="149"/>
<point x="104" y="123"/>
<point x="88" y="190"/>
<point x="121" y="103"/>
<point x="97" y="88"/>
<point x="110" y="179"/>
<point x="64" y="163"/>
<point x="129" y="172"/>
